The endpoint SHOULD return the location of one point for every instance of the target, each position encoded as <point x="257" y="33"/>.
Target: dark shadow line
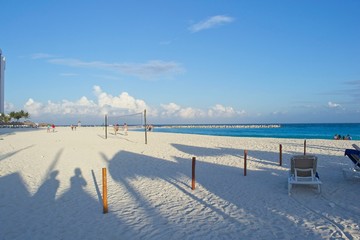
<point x="127" y="140"/>
<point x="101" y="136"/>
<point x="199" y="200"/>
<point x="53" y="164"/>
<point x="96" y="187"/>
<point x="14" y="152"/>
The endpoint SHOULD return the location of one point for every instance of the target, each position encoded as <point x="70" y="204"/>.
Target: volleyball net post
<point x="105" y="126"/>
<point x="145" y="126"/>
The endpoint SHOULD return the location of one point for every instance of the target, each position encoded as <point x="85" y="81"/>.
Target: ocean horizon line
<point x="349" y="131"/>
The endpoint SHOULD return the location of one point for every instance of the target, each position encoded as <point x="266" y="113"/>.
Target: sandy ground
<point x="51" y="187"/>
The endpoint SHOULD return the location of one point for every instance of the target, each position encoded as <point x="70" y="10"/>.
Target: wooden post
<point x="193" y="173"/>
<point x="245" y="159"/>
<point x="280" y="156"/>
<point x="305" y="147"/>
<point x="104" y="181"/>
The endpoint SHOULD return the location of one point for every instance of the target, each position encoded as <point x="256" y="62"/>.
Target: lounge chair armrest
<point x="309" y="170"/>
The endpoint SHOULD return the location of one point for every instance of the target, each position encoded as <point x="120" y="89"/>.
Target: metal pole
<point x="105" y="126"/>
<point x="193" y="174"/>
<point x="280" y="157"/>
<point x="245" y="159"/>
<point x="145" y="126"/>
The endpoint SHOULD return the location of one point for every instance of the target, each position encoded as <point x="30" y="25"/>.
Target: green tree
<point x="19" y="115"/>
<point x="4" y="118"/>
<point x="12" y="115"/>
<point x="26" y="115"/>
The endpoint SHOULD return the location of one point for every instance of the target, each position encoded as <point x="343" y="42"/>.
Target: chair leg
<point x="289" y="188"/>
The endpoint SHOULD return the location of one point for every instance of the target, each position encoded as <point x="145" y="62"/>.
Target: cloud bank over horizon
<point x="93" y="109"/>
<point x="124" y="104"/>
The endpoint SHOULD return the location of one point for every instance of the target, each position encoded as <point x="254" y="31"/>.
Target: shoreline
<point x="187" y="129"/>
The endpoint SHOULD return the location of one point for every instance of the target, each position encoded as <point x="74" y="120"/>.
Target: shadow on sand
<point x="225" y="204"/>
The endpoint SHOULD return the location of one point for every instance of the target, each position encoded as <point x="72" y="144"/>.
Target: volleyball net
<point x="133" y="121"/>
<point x="120" y="124"/>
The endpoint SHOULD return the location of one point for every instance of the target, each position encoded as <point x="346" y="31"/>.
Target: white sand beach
<point x="51" y="187"/>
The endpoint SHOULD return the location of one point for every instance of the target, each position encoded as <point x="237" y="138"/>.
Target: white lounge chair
<point x="354" y="156"/>
<point x="303" y="171"/>
<point x="356" y="147"/>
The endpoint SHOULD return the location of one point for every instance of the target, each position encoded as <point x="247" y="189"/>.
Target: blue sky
<point x="184" y="61"/>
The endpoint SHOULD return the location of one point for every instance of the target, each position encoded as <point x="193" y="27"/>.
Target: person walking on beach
<point x="116" y="128"/>
<point x="48" y="128"/>
<point x="53" y="127"/>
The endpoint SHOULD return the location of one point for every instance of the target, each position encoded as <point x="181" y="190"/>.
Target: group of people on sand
<point x="339" y="137"/>
<point x="125" y="128"/>
<point x="73" y="127"/>
<point x="149" y="127"/>
<point x="52" y="126"/>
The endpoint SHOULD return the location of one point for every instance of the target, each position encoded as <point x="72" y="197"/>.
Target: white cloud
<point x="41" y="56"/>
<point x="218" y="111"/>
<point x="221" y="111"/>
<point x="105" y="104"/>
<point x="9" y="107"/>
<point x="149" y="70"/>
<point x="211" y="23"/>
<point x="83" y="106"/>
<point x="170" y="109"/>
<point x="34" y="108"/>
<point x="334" y="105"/>
<point x="191" y="113"/>
<point x="174" y="111"/>
<point x="117" y="104"/>
<point x="125" y="104"/>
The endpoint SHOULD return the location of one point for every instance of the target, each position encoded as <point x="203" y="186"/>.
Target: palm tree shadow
<point x="8" y="155"/>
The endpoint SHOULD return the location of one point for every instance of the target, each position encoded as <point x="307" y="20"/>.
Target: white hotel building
<point x="2" y="79"/>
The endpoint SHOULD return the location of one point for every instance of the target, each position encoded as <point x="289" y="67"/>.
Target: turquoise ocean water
<point x="300" y="131"/>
